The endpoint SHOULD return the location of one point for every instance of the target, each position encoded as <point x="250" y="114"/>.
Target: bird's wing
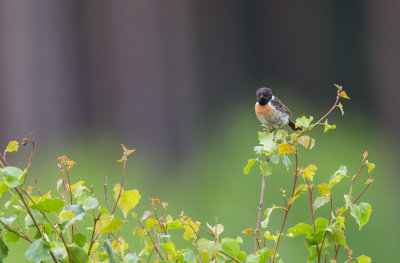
<point x="280" y="106"/>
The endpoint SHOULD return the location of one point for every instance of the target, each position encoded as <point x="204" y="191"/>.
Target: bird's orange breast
<point x="263" y="111"/>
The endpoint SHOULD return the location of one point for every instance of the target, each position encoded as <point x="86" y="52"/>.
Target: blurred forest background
<point x="177" y="79"/>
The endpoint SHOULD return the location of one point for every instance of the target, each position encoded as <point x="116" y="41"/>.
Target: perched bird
<point x="271" y="111"/>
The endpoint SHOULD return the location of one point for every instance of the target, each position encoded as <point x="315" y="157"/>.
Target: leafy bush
<point x="53" y="223"/>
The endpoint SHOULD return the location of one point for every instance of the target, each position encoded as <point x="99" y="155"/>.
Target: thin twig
<point x="4" y="159"/>
<point x="122" y="184"/>
<point x="260" y="208"/>
<point x="37" y="187"/>
<point x="333" y="107"/>
<point x="105" y="192"/>
<point x="290" y="203"/>
<point x="92" y="240"/>
<point x="362" y="192"/>
<point x="311" y="205"/>
<point x="15" y="232"/>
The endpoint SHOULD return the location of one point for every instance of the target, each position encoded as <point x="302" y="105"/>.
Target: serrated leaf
<point x="361" y="213"/>
<point x="267" y="213"/>
<point x="340" y="106"/>
<point x="250" y="163"/>
<point x="220" y="228"/>
<point x="343" y="94"/>
<point x="208" y="246"/>
<point x="320" y="201"/>
<point x="304" y="122"/>
<point x="75" y="186"/>
<point x="309" y="171"/>
<point x="286" y="161"/>
<point x="38" y="251"/>
<point x="170" y="248"/>
<point x="49" y="205"/>
<point x="110" y="223"/>
<point x="191" y="229"/>
<point x="328" y="127"/>
<point x="299" y="190"/>
<point x="79" y="239"/>
<point x="128" y="200"/>
<point x="336" y="235"/>
<point x="338" y="176"/>
<point x="363" y="259"/>
<point x="12" y="176"/>
<point x="285" y="148"/>
<point x="304" y="140"/>
<point x="78" y="255"/>
<point x="324" y="189"/>
<point x="175" y="224"/>
<point x="90" y="203"/>
<point x="10" y="237"/>
<point x="151" y="222"/>
<point x="231" y="246"/>
<point x="12" y="146"/>
<point x="131" y="258"/>
<point x="267" y="141"/>
<point x="299" y="229"/>
<point x="189" y="256"/>
<point x="370" y="166"/>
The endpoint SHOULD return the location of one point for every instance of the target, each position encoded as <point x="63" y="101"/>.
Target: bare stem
<point x="15" y="232"/>
<point x="92" y="240"/>
<point x="333" y="107"/>
<point x="311" y="205"/>
<point x="105" y="192"/>
<point x="122" y="184"/>
<point x="260" y="208"/>
<point x="362" y="192"/>
<point x="4" y="159"/>
<point x="289" y="204"/>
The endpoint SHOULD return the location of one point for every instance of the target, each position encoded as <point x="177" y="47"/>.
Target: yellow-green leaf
<point x="340" y="106"/>
<point x="344" y="95"/>
<point x="66" y="215"/>
<point x="250" y="163"/>
<point x="309" y="171"/>
<point x="338" y="87"/>
<point x="304" y="140"/>
<point x="76" y="185"/>
<point x="324" y="189"/>
<point x="110" y="223"/>
<point x="371" y="166"/>
<point x="151" y="222"/>
<point x="128" y="200"/>
<point x="365" y="154"/>
<point x="285" y="148"/>
<point x="191" y="229"/>
<point x="363" y="259"/>
<point x="12" y="146"/>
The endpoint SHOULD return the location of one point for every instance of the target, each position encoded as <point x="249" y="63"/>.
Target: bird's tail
<point x="293" y="126"/>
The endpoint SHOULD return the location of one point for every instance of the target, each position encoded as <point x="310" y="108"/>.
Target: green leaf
<point x="250" y="163"/>
<point x="109" y="250"/>
<point x="110" y="224"/>
<point x="38" y="251"/>
<point x="79" y="239"/>
<point x="320" y="227"/>
<point x="363" y="259"/>
<point x="49" y="205"/>
<point x="3" y="250"/>
<point x="209" y="247"/>
<point x="361" y="213"/>
<point x="304" y="122"/>
<point x="11" y="237"/>
<point x="328" y="127"/>
<point x="90" y="203"/>
<point x="299" y="229"/>
<point x="267" y="213"/>
<point x="338" y="175"/>
<point x="347" y="198"/>
<point x="267" y="141"/>
<point x="274" y="159"/>
<point x="38" y="217"/>
<point x="170" y="248"/>
<point x="336" y="235"/>
<point x="231" y="246"/>
<point x="286" y="161"/>
<point x="8" y="221"/>
<point x="309" y="171"/>
<point x="324" y="189"/>
<point x="128" y="200"/>
<point x="151" y="222"/>
<point x="189" y="256"/>
<point x="320" y="201"/>
<point x="340" y="106"/>
<point x="78" y="255"/>
<point x="13" y="176"/>
<point x="265" y="169"/>
<point x="70" y="214"/>
<point x="174" y="224"/>
<point x="131" y="258"/>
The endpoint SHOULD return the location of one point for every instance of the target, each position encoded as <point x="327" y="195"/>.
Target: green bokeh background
<point x="210" y="181"/>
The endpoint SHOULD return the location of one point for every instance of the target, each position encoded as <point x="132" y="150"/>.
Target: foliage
<point x="52" y="222"/>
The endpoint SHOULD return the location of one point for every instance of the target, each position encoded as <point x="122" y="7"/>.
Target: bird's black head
<point x="264" y="95"/>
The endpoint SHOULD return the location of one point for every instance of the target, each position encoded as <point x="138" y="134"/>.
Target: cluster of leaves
<point x="54" y="223"/>
<point x="323" y="236"/>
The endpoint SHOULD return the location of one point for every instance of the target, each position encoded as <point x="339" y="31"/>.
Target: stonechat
<point x="271" y="112"/>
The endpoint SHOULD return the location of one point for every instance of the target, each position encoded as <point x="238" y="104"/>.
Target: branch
<point x="333" y="107"/>
<point x="122" y="184"/>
